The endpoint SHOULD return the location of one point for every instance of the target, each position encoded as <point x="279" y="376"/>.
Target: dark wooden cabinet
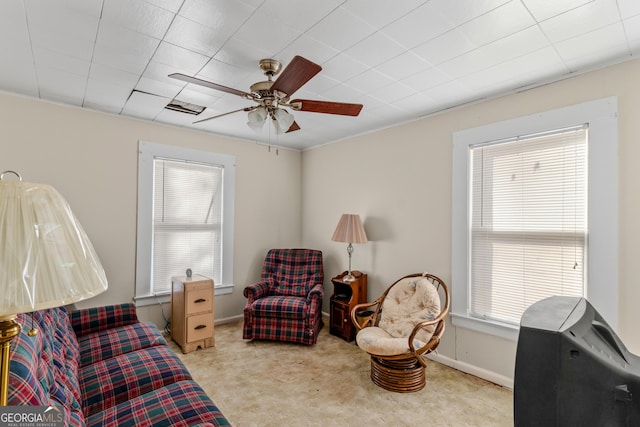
<point x="345" y="296"/>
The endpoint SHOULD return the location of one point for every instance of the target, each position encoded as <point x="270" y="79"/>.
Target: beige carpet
<point x="261" y="383"/>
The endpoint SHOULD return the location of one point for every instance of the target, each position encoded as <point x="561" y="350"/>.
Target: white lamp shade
<point x="283" y="120"/>
<point x="46" y="258"/>
<point x="257" y="118"/>
<point x="350" y="230"/>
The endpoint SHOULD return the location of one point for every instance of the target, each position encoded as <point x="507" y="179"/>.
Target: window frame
<point x="602" y="205"/>
<point x="147" y="152"/>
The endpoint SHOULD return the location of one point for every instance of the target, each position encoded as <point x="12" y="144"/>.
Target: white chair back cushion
<point x="409" y="302"/>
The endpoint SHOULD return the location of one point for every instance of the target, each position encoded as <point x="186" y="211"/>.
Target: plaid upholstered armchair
<point x="286" y="305"/>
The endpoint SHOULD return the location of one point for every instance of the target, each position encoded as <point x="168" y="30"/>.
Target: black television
<point x="572" y="369"/>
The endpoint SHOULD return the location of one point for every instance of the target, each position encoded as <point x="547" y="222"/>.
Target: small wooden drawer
<point x="192" y="312"/>
<point x="199" y="327"/>
<point x="199" y="300"/>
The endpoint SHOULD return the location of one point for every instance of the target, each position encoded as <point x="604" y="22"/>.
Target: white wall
<point x="92" y="159"/>
<point x="399" y="181"/>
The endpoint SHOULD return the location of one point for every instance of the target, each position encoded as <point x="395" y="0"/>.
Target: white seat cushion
<point x="409" y="302"/>
<point x="377" y="341"/>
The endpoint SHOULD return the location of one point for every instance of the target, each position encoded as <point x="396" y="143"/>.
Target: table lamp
<point x="46" y="259"/>
<point x="349" y="230"/>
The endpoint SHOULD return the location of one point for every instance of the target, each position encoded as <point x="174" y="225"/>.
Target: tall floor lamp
<point x="349" y="230"/>
<point x="46" y="259"/>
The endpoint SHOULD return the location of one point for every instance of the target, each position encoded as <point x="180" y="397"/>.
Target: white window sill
<point x="501" y="330"/>
<point x="166" y="297"/>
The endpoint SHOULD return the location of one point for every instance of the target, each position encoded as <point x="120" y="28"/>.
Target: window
<point x="534" y="215"/>
<point x="185" y="218"/>
<point x="528" y="222"/>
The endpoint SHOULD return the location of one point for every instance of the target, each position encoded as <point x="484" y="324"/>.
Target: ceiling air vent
<point x="185" y="107"/>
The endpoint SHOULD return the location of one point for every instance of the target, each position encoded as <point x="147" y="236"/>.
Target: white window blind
<point x="528" y="222"/>
<point x="187" y="221"/>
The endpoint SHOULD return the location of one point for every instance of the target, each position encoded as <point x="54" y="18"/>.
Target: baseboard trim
<point x="228" y="320"/>
<point x="485" y="374"/>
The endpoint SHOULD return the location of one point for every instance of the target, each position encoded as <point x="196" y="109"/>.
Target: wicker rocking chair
<point x="400" y="327"/>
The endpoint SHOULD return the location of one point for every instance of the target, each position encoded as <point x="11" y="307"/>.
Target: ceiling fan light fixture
<point x="257" y="118"/>
<point x="283" y="120"/>
<point x="271" y="95"/>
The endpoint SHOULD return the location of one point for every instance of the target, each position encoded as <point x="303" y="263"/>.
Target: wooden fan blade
<point x="225" y="114"/>
<point x="297" y="73"/>
<point x="210" y="85"/>
<point x="294" y="126"/>
<point x="326" y="107"/>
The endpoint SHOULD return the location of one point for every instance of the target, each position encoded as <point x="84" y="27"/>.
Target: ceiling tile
<point x="297" y="14"/>
<point x="92" y="8"/>
<point x="109" y="75"/>
<point x="176" y="118"/>
<point x="144" y="105"/>
<point x="156" y="86"/>
<point x="56" y="60"/>
<point x="170" y="5"/>
<point x="426" y="23"/>
<point x="341" y="29"/>
<point x="124" y="49"/>
<point x="312" y="49"/>
<point x="403" y="65"/>
<point x="195" y="37"/>
<point x="394" y="92"/>
<point x="497" y="52"/>
<point x="188" y="94"/>
<point x="105" y="96"/>
<point x="343" y="67"/>
<point x="447" y="46"/>
<point x="545" y="9"/>
<point x="13" y="25"/>
<point x="375" y="49"/>
<point x="160" y="73"/>
<point x="516" y="72"/>
<point x="342" y="93"/>
<point x="543" y="65"/>
<point x="317" y="85"/>
<point x="61" y="86"/>
<point x="629" y="8"/>
<point x="450" y="94"/>
<point x="461" y="11"/>
<point x="498" y="23"/>
<point x="632" y="29"/>
<point x="230" y="75"/>
<point x="265" y="32"/>
<point x="224" y="17"/>
<point x="64" y="30"/>
<point x="138" y="16"/>
<point x="593" y="15"/>
<point x="369" y="102"/>
<point x="381" y="13"/>
<point x="588" y="49"/>
<point x="15" y="50"/>
<point x="182" y="60"/>
<point x="371" y="78"/>
<point x="427" y="79"/>
<point x="242" y="54"/>
<point x="415" y="103"/>
<point x="19" y="76"/>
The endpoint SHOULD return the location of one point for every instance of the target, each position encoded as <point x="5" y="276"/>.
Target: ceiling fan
<point x="273" y="97"/>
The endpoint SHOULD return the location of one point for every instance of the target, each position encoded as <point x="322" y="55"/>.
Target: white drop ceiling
<point x="401" y="59"/>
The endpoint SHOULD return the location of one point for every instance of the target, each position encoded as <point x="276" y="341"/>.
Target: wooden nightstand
<point x="192" y="312"/>
<point x="345" y="296"/>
